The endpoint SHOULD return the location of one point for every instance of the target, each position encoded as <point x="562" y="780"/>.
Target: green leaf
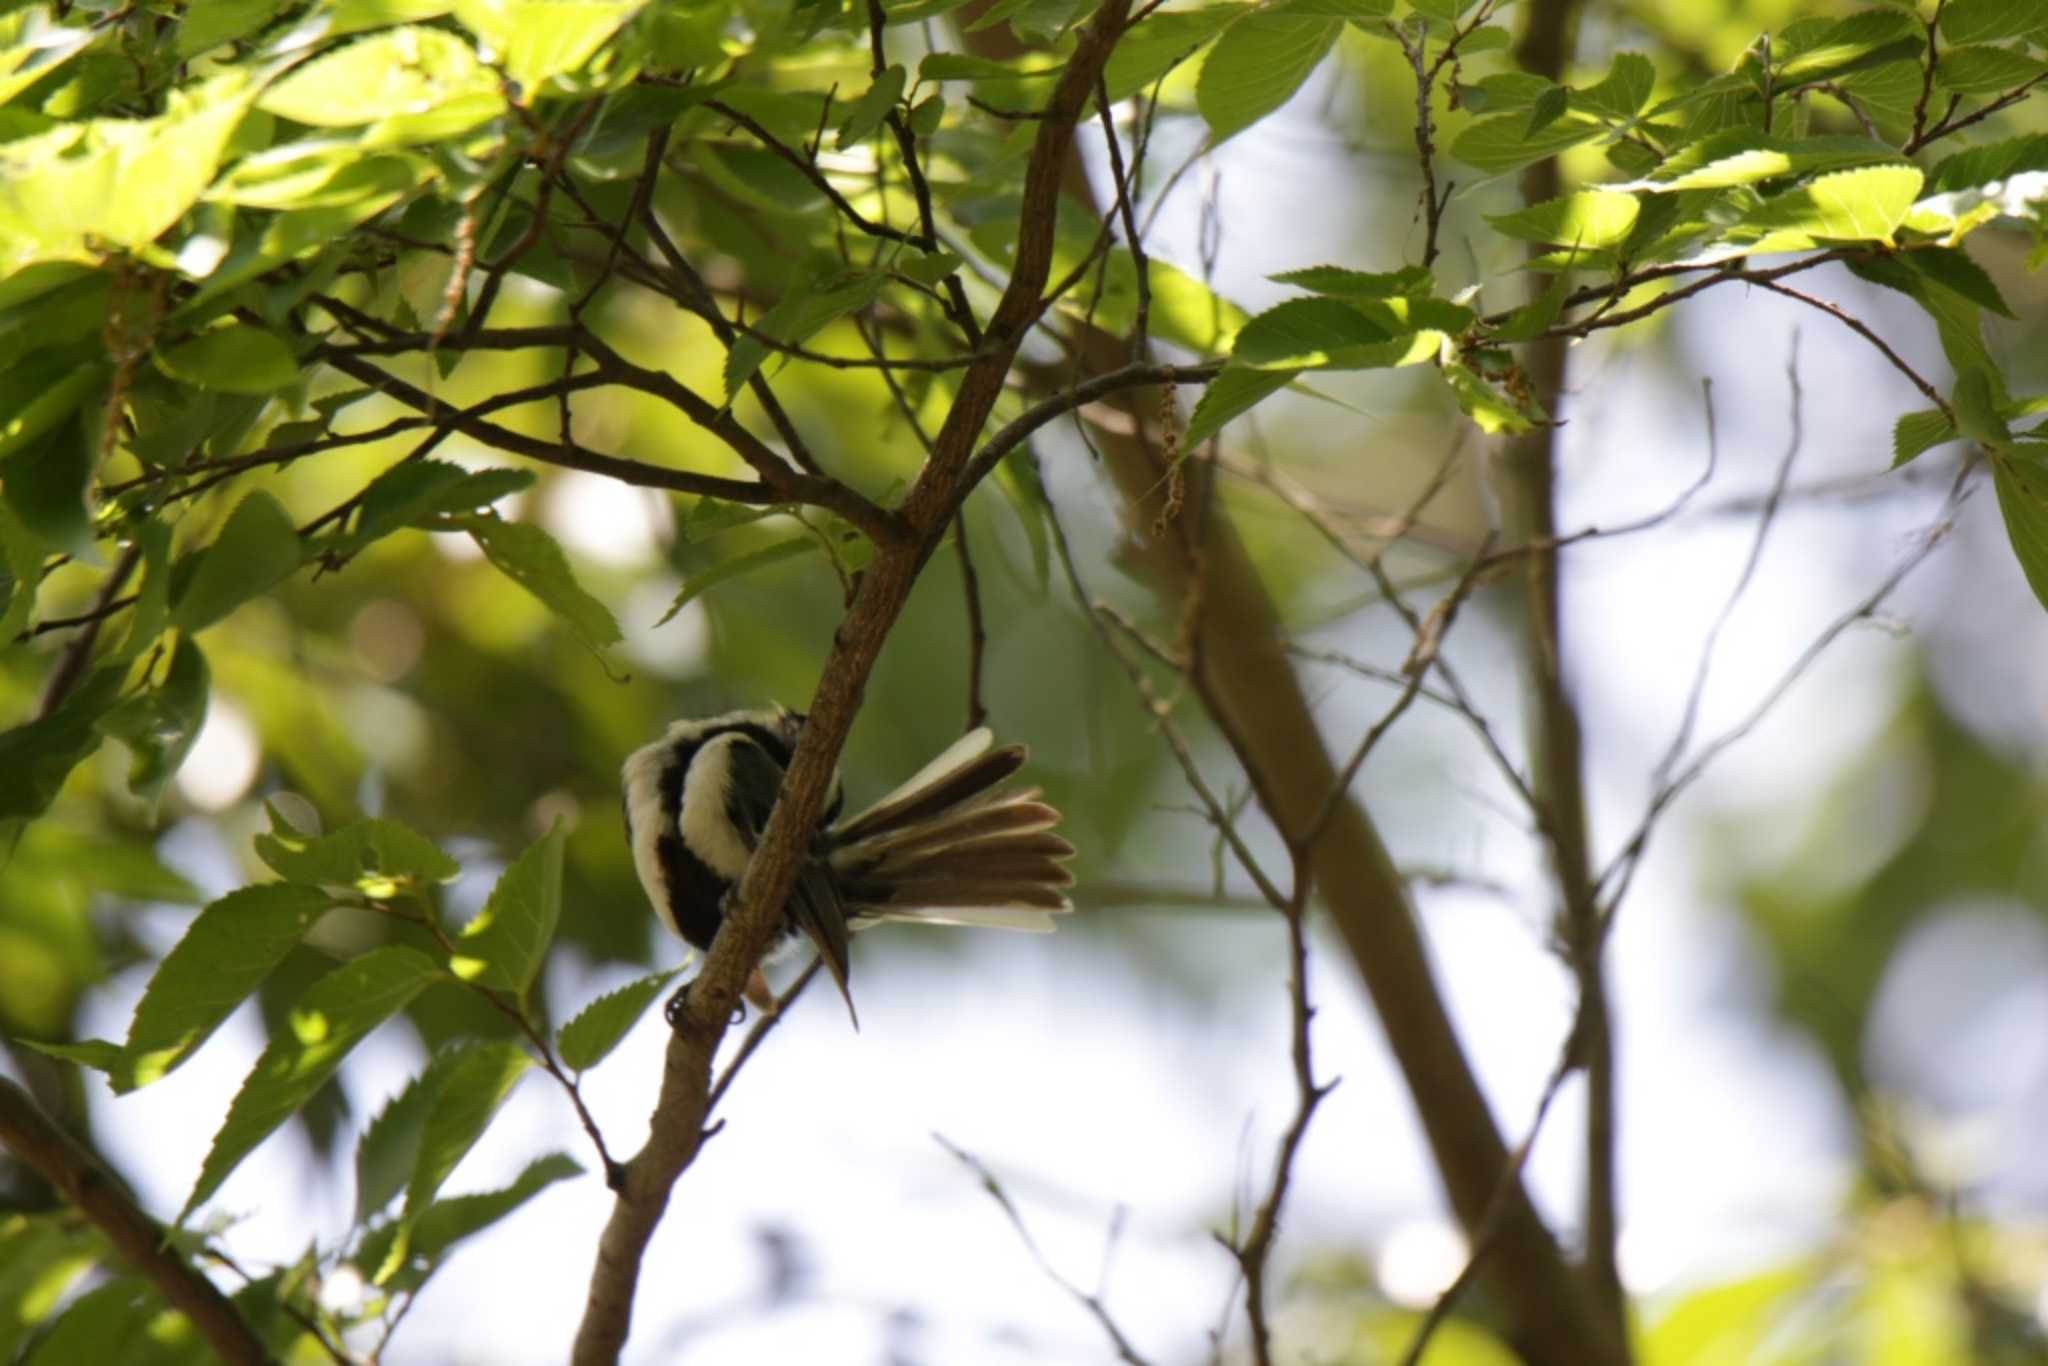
<point x="529" y="557"/>
<point x="37" y="756"/>
<point x="468" y="1093"/>
<point x="960" y="66"/>
<point x="45" y="484"/>
<point x="1919" y="432"/>
<point x="417" y="492"/>
<point x="472" y="1082"/>
<point x="21" y="563"/>
<point x="159" y="725"/>
<point x="1550" y="106"/>
<point x="219" y="22"/>
<point x="1230" y="394"/>
<point x="1483" y="404"/>
<point x="533" y="40"/>
<point x="503" y="946"/>
<point x="588" y="1039"/>
<point x="70" y="193"/>
<point x="257" y="550"/>
<point x="375" y="857"/>
<point x="2022" y="484"/>
<point x="48" y="386"/>
<point x="36" y="46"/>
<point x="1340" y="283"/>
<point x="1505" y="144"/>
<point x="1986" y="70"/>
<point x="1539" y="313"/>
<point x="1988" y="21"/>
<point x="400" y="73"/>
<point x="1953" y="268"/>
<point x="1590" y="220"/>
<point x="737" y="566"/>
<point x="928" y="116"/>
<point x="227" y="951"/>
<point x="1977" y="167"/>
<point x="1977" y="414"/>
<point x="390" y="1145"/>
<point x="1623" y="91"/>
<point x="1744" y="156"/>
<point x="447" y="1222"/>
<point x="1258" y="64"/>
<point x="812" y="303"/>
<point x="1305" y="334"/>
<point x="1160" y="42"/>
<point x="110" y="1322"/>
<point x="325" y="1023"/>
<point x="873" y="106"/>
<point x="239" y="358"/>
<point x="1859" y="41"/>
<point x="1863" y="205"/>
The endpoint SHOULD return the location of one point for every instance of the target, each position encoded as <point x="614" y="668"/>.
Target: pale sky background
<point x="1089" y="1085"/>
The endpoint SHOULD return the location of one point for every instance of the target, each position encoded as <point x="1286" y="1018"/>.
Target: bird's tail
<point x="953" y="847"/>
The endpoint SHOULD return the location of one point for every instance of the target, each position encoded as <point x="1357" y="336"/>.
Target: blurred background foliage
<point x="1891" y="909"/>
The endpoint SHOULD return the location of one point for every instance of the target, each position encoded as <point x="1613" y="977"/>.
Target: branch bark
<point x="95" y="1192"/>
<point x="677" y="1131"/>
<point x="1246" y="681"/>
<point x="1529" y="472"/>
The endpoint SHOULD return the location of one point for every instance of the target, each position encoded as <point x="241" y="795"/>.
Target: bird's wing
<point x="756" y="779"/>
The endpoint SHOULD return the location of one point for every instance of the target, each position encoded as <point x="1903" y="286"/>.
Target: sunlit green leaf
<point x="1161" y="41"/>
<point x="1303" y="334"/>
<point x="1258" y="64"/>
<point x="325" y="1023"/>
<point x="225" y="954"/>
<point x="532" y="40"/>
<point x="1589" y="219"/>
<point x="376" y="857"/>
<point x="71" y="192"/>
<point x="504" y="945"/>
<point x="1506" y="144"/>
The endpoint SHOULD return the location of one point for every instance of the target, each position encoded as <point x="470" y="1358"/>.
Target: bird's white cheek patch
<point x="643" y="804"/>
<point x="707" y="819"/>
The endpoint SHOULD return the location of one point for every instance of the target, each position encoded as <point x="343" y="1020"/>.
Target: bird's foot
<point x="679" y="1003"/>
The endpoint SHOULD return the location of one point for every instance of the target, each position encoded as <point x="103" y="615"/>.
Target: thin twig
<point x="71" y="664"/>
<point x="1092" y="1302"/>
<point x="759" y="1034"/>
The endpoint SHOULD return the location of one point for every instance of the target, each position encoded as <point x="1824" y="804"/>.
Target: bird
<point x="953" y="845"/>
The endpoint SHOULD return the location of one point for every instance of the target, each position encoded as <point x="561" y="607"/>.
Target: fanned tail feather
<point x="950" y="848"/>
<point x="956" y="776"/>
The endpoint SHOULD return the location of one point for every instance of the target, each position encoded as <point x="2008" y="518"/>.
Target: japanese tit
<point x="952" y="846"/>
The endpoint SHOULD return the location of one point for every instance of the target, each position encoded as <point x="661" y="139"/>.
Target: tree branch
<point x="97" y="1194"/>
